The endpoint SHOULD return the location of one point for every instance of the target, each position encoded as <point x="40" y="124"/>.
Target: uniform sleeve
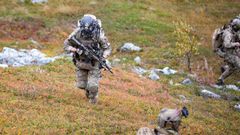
<point x="67" y="45"/>
<point x="227" y="40"/>
<point x="105" y="45"/>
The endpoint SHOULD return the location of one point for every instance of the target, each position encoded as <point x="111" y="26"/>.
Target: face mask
<point x="235" y="24"/>
<point x="86" y="33"/>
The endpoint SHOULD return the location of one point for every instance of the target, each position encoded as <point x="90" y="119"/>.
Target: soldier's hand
<point x="238" y="45"/>
<point x="72" y="49"/>
<point x="104" y="56"/>
<point x="103" y="59"/>
<point x="79" y="51"/>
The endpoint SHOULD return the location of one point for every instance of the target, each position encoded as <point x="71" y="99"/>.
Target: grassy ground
<point x="44" y="100"/>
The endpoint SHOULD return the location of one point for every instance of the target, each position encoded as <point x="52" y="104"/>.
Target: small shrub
<point x="186" y="45"/>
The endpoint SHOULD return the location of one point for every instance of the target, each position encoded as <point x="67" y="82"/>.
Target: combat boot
<point x="223" y="69"/>
<point x="87" y="93"/>
<point x="219" y="82"/>
<point x="93" y="100"/>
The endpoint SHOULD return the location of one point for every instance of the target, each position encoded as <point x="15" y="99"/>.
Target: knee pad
<point x="81" y="85"/>
<point x="93" y="90"/>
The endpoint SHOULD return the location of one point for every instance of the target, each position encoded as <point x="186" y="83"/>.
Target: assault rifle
<point x="91" y="54"/>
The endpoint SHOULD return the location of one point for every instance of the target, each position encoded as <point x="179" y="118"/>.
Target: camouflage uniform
<point x="166" y="115"/>
<point x="88" y="71"/>
<point x="145" y="131"/>
<point x="231" y="49"/>
<point x="172" y="116"/>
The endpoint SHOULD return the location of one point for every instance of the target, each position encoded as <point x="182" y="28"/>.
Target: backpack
<point x="217" y="41"/>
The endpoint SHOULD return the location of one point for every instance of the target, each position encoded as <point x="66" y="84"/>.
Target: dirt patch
<point x="23" y="29"/>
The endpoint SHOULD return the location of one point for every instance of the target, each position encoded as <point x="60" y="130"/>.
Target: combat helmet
<point x="235" y="23"/>
<point x="89" y="27"/>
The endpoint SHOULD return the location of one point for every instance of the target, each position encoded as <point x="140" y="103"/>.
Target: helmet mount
<point x="89" y="27"/>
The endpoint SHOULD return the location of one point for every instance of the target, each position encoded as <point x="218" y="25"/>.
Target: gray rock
<point x="3" y="65"/>
<point x="166" y="71"/>
<point x="209" y="94"/>
<point x="39" y="1"/>
<point x="217" y="86"/>
<point x="187" y="81"/>
<point x="233" y="87"/>
<point x="153" y="75"/>
<point x="23" y="57"/>
<point x="137" y="60"/>
<point x="139" y="70"/>
<point x="130" y="47"/>
<point x="237" y="107"/>
<point x="116" y="62"/>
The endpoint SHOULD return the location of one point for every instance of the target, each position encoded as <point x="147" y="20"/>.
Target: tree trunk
<point x="188" y="55"/>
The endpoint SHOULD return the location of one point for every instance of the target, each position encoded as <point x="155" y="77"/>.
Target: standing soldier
<point x="228" y="48"/>
<point x="90" y="35"/>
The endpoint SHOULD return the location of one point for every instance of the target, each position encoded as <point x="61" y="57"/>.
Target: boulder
<point x="187" y="82"/>
<point x="233" y="87"/>
<point x="209" y="94"/>
<point x="39" y="1"/>
<point x="137" y="60"/>
<point x="237" y="107"/>
<point x="23" y="57"/>
<point x="130" y="47"/>
<point x="153" y="75"/>
<point x="3" y="65"/>
<point x="217" y="86"/>
<point x="166" y="71"/>
<point x="139" y="70"/>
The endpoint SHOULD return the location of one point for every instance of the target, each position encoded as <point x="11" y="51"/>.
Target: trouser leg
<point x="228" y="70"/>
<point x="237" y="59"/>
<point x="82" y="76"/>
<point x="92" y="85"/>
